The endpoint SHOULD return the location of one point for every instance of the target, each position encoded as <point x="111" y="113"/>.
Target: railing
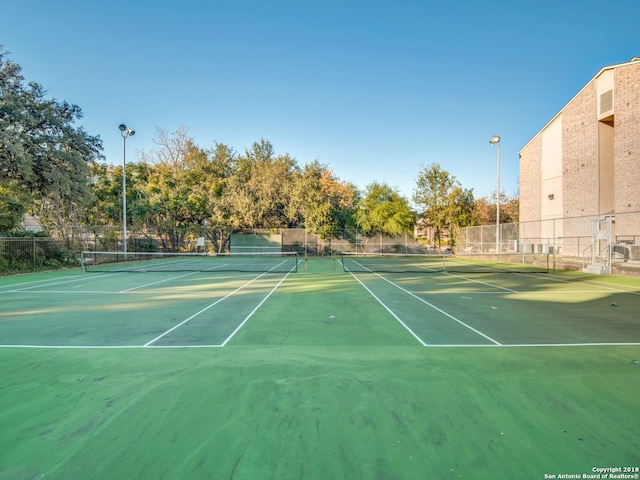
<point x="593" y="256"/>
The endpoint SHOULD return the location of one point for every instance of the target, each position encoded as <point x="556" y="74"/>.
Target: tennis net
<point x="274" y="262"/>
<point x="439" y="263"/>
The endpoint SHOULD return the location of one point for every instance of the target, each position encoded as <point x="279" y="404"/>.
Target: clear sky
<point x="377" y="90"/>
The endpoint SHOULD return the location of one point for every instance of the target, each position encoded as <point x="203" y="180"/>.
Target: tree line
<point x="55" y="170"/>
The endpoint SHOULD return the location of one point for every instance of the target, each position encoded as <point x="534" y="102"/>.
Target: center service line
<point x="254" y="310"/>
<point x="203" y="310"/>
<point x="390" y="311"/>
<point x="439" y="310"/>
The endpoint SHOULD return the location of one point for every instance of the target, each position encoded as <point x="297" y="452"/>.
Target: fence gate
<point x="601" y="229"/>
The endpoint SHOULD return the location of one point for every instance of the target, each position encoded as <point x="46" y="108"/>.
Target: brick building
<point x="586" y="161"/>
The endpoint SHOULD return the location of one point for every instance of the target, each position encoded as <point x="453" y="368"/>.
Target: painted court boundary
<point x="149" y="345"/>
<point x="448" y="315"/>
<point x="24" y="287"/>
<point x="188" y="347"/>
<point x="495" y="343"/>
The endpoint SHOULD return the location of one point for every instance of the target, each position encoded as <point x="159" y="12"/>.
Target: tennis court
<point x="311" y="371"/>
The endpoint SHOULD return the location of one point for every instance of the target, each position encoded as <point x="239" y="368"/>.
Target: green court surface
<point x="318" y="374"/>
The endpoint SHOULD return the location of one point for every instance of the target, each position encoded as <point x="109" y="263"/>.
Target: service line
<point x="448" y="315"/>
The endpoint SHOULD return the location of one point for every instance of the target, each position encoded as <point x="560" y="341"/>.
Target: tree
<point x="175" y="202"/>
<point x="210" y="182"/>
<point x="260" y="188"/>
<point x="510" y="209"/>
<point x="12" y="209"/>
<point x="44" y="156"/>
<point x="321" y="202"/>
<point x="383" y="210"/>
<point x="443" y="201"/>
<point x="485" y="210"/>
<point x="104" y="207"/>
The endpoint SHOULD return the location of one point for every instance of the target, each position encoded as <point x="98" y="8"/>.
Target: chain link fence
<point x="28" y="254"/>
<point x="571" y="241"/>
<point x="570" y="237"/>
<point x="297" y="240"/>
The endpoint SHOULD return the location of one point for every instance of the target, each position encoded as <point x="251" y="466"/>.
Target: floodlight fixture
<point x="125" y="132"/>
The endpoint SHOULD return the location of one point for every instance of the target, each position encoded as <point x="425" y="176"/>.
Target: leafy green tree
<point x="184" y="190"/>
<point x="384" y="210"/>
<point x="12" y="209"/>
<point x="181" y="190"/>
<point x="322" y="203"/>
<point x="260" y="188"/>
<point x="44" y="156"/>
<point x="104" y="207"/>
<point x="443" y="202"/>
<point x="215" y="177"/>
<point x="174" y="205"/>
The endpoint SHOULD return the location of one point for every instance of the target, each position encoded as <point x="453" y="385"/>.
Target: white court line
<point x="440" y="310"/>
<point x="426" y="303"/>
<point x="106" y="292"/>
<point x="215" y="303"/>
<point x="390" y="311"/>
<point x="556" y="278"/>
<point x="462" y="292"/>
<point x="25" y="283"/>
<point x="482" y="283"/>
<point x="66" y="292"/>
<point x="254" y="310"/>
<point x="107" y="347"/>
<point x="75" y="347"/>
<point x="23" y="290"/>
<point x="203" y="310"/>
<point x="562" y="292"/>
<point x="458" y="276"/>
<point x="604" y="285"/>
<point x="155" y="283"/>
<point x="520" y="292"/>
<point x="526" y="345"/>
<point x="53" y="282"/>
<point x="157" y="268"/>
<point x="185" y="347"/>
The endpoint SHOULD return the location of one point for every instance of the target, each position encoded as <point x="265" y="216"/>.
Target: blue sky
<point x="376" y="90"/>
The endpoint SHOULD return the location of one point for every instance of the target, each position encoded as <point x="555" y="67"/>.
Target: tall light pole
<point x="495" y="140"/>
<point x="124" y="132"/>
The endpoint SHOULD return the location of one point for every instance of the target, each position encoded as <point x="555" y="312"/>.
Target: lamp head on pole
<point x="495" y="140"/>
<point x="125" y="132"/>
